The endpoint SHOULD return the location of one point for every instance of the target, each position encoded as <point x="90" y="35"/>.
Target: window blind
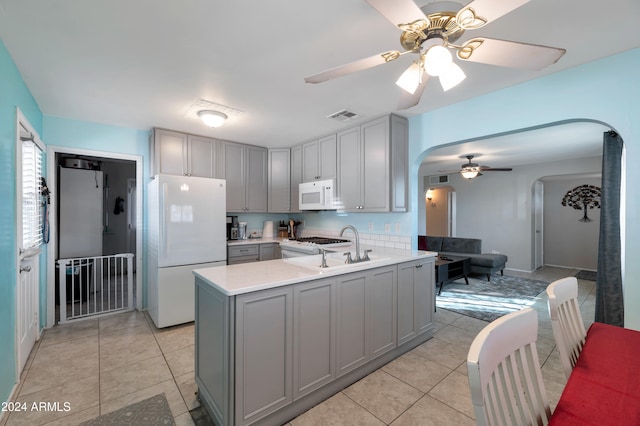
<point x="32" y="207"/>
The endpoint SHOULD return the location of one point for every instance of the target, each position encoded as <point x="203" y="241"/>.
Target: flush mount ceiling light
<point x="212" y="118"/>
<point x="431" y="32"/>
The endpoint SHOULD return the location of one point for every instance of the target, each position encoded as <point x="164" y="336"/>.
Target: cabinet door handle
<point x="420" y="265"/>
<point x="25" y="269"/>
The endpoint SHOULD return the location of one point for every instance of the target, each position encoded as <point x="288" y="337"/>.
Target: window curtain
<point x="609" y="297"/>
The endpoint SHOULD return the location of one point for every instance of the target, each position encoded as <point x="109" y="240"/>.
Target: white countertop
<point x="254" y="241"/>
<point x="248" y="277"/>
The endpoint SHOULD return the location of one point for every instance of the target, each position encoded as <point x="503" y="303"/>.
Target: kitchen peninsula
<point x="275" y="338"/>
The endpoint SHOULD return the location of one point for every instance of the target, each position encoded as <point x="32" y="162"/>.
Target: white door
<point x="27" y="308"/>
<point x="29" y="214"/>
<point x="131" y="216"/>
<point x="538" y="209"/>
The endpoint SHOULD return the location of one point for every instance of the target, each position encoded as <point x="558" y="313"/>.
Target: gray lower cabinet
<point x="264" y="353"/>
<point x="246" y="253"/>
<point x="267" y="356"/>
<point x="314" y="331"/>
<point x="366" y="317"/>
<point x="243" y="253"/>
<point x="415" y="297"/>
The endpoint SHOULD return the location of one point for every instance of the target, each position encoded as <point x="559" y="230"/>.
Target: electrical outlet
<point x="370" y="226"/>
<point x="387" y="228"/>
<point x="495" y="252"/>
<point x="397" y="228"/>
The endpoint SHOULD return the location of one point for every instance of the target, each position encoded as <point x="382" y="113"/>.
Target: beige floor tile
<point x="448" y="354"/>
<point x="79" y="395"/>
<point x="124" y="337"/>
<point x="338" y="410"/>
<point x="470" y="324"/>
<point x="430" y="412"/>
<point x="65" y="332"/>
<point x="184" y="420"/>
<point x="117" y="356"/>
<point x="456" y="336"/>
<point x="61" y="370"/>
<point x="383" y="395"/>
<point x="134" y="377"/>
<point x="123" y="321"/>
<point x="175" y="338"/>
<point x="417" y="371"/>
<point x="454" y="391"/>
<point x="188" y="388"/>
<point x="81" y="347"/>
<point x="168" y="387"/>
<point x="181" y="361"/>
<point x="77" y="418"/>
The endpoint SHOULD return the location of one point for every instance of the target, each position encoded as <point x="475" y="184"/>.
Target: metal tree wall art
<point x="583" y="197"/>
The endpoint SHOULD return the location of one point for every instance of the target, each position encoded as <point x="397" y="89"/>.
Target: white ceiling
<point x="143" y="63"/>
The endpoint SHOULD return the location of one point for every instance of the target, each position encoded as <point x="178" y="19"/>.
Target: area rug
<point x="586" y="275"/>
<point x="151" y="412"/>
<point x="486" y="300"/>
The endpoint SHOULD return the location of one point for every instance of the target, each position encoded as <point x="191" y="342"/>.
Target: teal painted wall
<point x="607" y="90"/>
<point x="62" y="132"/>
<point x="13" y="93"/>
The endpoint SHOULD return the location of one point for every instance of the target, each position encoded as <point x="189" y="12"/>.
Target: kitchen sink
<point x="334" y="261"/>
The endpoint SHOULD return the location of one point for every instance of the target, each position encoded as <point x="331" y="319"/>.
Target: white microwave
<point x="317" y="195"/>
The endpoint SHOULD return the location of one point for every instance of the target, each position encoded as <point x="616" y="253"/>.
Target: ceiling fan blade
<point x="362" y="64"/>
<point x="480" y="12"/>
<point x="400" y="12"/>
<point x="509" y="54"/>
<point x="407" y="100"/>
<point x="495" y="169"/>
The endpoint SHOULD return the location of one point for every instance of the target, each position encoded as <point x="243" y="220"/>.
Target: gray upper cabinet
<point x="296" y="176"/>
<point x="372" y="165"/>
<point x="201" y="156"/>
<point x="399" y="163"/>
<point x="279" y="197"/>
<point x="245" y="169"/>
<point x="319" y="159"/>
<point x="176" y="153"/>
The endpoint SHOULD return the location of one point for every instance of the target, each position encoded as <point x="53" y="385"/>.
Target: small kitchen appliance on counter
<point x="308" y="246"/>
<point x="267" y="229"/>
<point x="232" y="227"/>
<point x="242" y="230"/>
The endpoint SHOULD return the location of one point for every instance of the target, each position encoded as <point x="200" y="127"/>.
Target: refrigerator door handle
<point x="163" y="223"/>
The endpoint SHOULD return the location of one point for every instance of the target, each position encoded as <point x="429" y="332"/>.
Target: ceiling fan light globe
<point x="437" y="60"/>
<point x="452" y="77"/>
<point x="212" y="118"/>
<point x="469" y="174"/>
<point x="410" y="78"/>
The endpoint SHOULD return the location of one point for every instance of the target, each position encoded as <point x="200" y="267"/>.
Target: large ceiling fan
<point x="471" y="170"/>
<point x="431" y="34"/>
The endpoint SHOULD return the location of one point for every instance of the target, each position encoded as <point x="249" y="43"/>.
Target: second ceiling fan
<point x="471" y="170"/>
<point x="433" y="34"/>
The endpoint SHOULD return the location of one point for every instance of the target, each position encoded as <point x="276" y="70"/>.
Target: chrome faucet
<point x="355" y="231"/>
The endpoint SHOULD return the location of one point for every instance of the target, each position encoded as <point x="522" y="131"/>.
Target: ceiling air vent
<point x="435" y="180"/>
<point x="343" y="115"/>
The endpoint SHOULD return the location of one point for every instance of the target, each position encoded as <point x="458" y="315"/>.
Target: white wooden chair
<point x="566" y="321"/>
<point x="504" y="373"/>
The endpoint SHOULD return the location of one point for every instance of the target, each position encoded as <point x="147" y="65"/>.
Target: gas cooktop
<point x="321" y="240"/>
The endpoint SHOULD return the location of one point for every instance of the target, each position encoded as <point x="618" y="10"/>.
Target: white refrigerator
<point x="187" y="231"/>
